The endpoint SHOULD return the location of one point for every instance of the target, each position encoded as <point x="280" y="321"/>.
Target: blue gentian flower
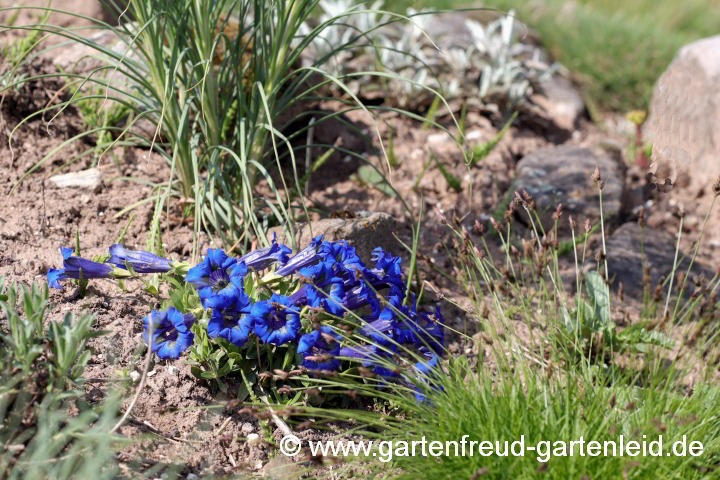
<point x="387" y="271"/>
<point x="233" y="322"/>
<point x="139" y="260"/>
<point x="319" y="349"/>
<point x="320" y="273"/>
<point x="262" y="258"/>
<point x="372" y="356"/>
<point x="360" y="296"/>
<point x="383" y="330"/>
<point x="169" y="332"/>
<point x="217" y="278"/>
<point x="305" y="257"/>
<point x="336" y="260"/>
<point x="425" y="370"/>
<point x="331" y="302"/>
<point x="276" y="320"/>
<point x="422" y="329"/>
<point x="345" y="259"/>
<point x="77" y="267"/>
<point x="429" y="364"/>
<point x="299" y="298"/>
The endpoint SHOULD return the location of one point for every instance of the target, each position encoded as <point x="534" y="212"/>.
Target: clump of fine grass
<point x="220" y="83"/>
<point x="540" y="405"/>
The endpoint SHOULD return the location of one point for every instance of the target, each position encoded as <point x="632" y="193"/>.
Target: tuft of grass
<point x="499" y="408"/>
<point x="221" y="82"/>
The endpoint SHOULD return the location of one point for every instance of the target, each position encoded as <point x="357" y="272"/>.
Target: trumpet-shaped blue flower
<point x="276" y="320"/>
<point x="382" y="331"/>
<point x="331" y="302"/>
<point x="424" y="371"/>
<point x="360" y="296"/>
<point x="168" y="331"/>
<point x="319" y="349"/>
<point x="262" y="258"/>
<point x="422" y="329"/>
<point x="139" y="260"/>
<point x="387" y="271"/>
<point x="78" y="267"/>
<point x="217" y="278"/>
<point x="373" y="356"/>
<point x="233" y="322"/>
<point x="305" y="257"/>
<point x="346" y="262"/>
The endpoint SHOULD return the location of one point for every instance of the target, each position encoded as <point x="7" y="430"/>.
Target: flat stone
<point x="90" y="178"/>
<point x="365" y="232"/>
<point x="630" y="244"/>
<point x="563" y="175"/>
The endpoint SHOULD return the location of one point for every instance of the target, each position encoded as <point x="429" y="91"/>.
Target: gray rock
<point x="448" y="30"/>
<point x="627" y="247"/>
<point x="365" y="232"/>
<point x="560" y="101"/>
<point x="684" y="115"/>
<point x="563" y="175"/>
<point x="90" y="178"/>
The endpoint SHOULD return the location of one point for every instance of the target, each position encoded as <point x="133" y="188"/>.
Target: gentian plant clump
<point x="269" y="314"/>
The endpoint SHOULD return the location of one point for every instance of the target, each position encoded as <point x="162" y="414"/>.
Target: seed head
<point x="509" y="212"/>
<point x="443" y="218"/>
<point x="588" y="227"/>
<point x="528" y="200"/>
<point x="641" y="217"/>
<point x="517" y="198"/>
<point x="496" y="225"/>
<point x="597" y="178"/>
<point x="558" y="212"/>
<point x="572" y="222"/>
<point x="527" y="248"/>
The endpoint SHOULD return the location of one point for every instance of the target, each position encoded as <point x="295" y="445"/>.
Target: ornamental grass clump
<point x="320" y="316"/>
<point x="224" y="92"/>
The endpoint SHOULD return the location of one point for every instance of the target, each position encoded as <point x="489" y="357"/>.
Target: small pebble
<point x="247" y="428"/>
<point x="135" y="376"/>
<point x="191" y="476"/>
<point x="173" y="370"/>
<point x="152" y="374"/>
<point x="253" y="439"/>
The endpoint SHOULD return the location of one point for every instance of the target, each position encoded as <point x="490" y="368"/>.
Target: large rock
<point x="683" y="126"/>
<point x="630" y="244"/>
<point x="560" y="101"/>
<point x="365" y="232"/>
<point x="562" y="174"/>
